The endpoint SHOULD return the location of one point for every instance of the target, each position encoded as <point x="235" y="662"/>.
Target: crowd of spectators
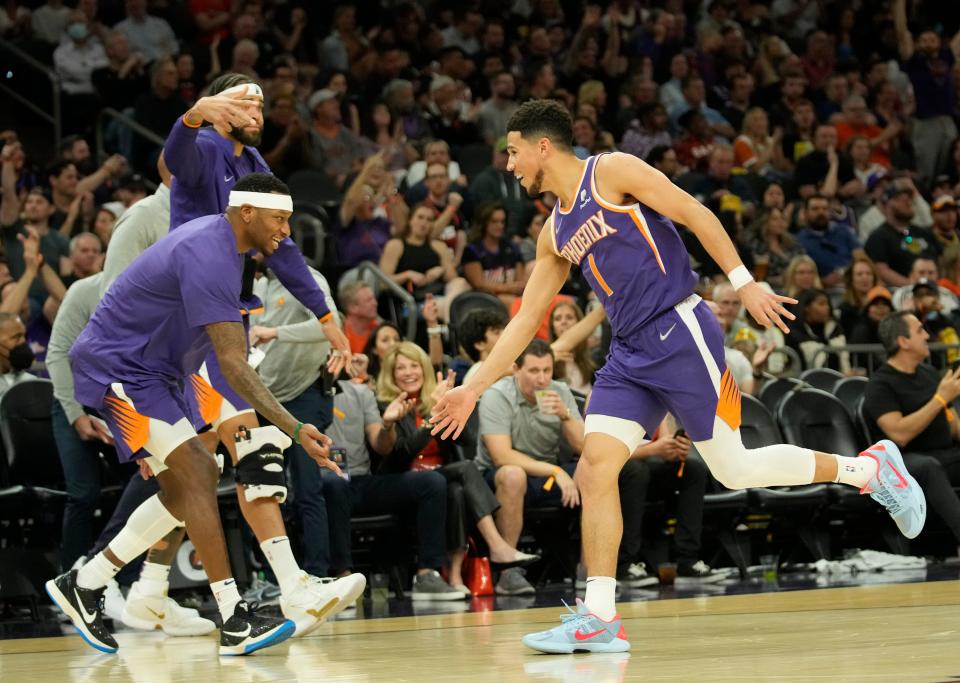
<point x="822" y="134"/>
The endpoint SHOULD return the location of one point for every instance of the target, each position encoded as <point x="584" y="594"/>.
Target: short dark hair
<point x="41" y="191"/>
<point x="68" y="142"/>
<point x="537" y="348"/>
<point x="655" y="155"/>
<point x="261" y="182"/>
<point x="543" y="118"/>
<point x="57" y="167"/>
<point x="227" y="81"/>
<point x="373" y="362"/>
<point x="806" y="202"/>
<point x="473" y="328"/>
<point x="891" y="329"/>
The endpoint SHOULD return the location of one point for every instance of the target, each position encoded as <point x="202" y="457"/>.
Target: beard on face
<point x="903" y="214"/>
<point x="535" y="190"/>
<point x="819" y="222"/>
<point x="243" y="137"/>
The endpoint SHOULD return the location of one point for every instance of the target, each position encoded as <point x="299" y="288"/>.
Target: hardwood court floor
<point x="901" y="632"/>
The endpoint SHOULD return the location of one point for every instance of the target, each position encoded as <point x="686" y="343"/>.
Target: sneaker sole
<point x="892" y="451"/>
<point x="344" y="602"/>
<point x="546" y="647"/>
<point x="275" y="637"/>
<point x="698" y="580"/>
<point x="437" y="597"/>
<point x="61" y="601"/>
<point x="142" y="624"/>
<point x="313" y="619"/>
<point x="522" y="591"/>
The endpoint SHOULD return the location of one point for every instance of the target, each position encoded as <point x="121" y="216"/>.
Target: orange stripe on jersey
<point x="134" y="427"/>
<point x="645" y="231"/>
<point x="596" y="274"/>
<point x="208" y="399"/>
<point x="728" y="402"/>
<point x="635" y="216"/>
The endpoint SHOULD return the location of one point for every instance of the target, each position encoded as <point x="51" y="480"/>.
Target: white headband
<point x="246" y="89"/>
<point x="261" y="200"/>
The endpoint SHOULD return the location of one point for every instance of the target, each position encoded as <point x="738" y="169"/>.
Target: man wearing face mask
<point x="75" y="61"/>
<point x="15" y="354"/>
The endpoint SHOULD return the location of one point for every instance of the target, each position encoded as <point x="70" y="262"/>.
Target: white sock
<point x="227" y="597"/>
<point x="154" y="580"/>
<point x="284" y="565"/>
<point x="601" y="596"/>
<point x="97" y="572"/>
<point x="855" y="471"/>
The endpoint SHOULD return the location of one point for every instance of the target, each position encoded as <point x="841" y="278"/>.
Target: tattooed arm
<point x="230" y="345"/>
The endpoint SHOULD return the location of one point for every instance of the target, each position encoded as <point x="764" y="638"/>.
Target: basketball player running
<point x="615" y="218"/>
<point x="154" y="326"/>
<point x="206" y="162"/>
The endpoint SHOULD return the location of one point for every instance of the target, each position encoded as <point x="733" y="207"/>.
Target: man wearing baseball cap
<point x="336" y="150"/>
<point x="897" y="242"/>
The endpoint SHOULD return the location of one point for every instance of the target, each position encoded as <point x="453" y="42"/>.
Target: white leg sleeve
<point x="147" y="524"/>
<point x="738" y="468"/>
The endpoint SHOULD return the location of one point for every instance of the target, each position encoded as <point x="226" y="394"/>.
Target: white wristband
<point x="739" y="276"/>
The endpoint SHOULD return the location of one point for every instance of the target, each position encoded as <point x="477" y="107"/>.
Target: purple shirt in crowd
<point x="150" y="324"/>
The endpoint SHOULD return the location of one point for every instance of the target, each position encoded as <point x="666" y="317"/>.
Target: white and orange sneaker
<point x="895" y="489"/>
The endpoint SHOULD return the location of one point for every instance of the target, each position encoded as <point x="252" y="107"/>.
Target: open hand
<point x="766" y="307"/>
<point x="451" y="412"/>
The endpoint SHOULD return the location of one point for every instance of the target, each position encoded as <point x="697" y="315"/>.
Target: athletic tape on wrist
<point x="261" y="200"/>
<point x="739" y="277"/>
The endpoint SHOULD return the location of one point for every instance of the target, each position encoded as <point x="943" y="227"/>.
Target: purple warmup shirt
<point x="631" y="256"/>
<point x="150" y="324"/>
<point x="205" y="169"/>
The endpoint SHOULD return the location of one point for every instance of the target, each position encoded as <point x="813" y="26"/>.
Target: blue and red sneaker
<point x="895" y="489"/>
<point x="580" y="631"/>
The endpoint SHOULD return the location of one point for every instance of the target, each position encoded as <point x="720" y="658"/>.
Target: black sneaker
<point x="697" y="573"/>
<point x="247" y="632"/>
<point x="85" y="609"/>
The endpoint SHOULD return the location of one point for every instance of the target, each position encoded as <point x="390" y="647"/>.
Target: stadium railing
<point x="23" y="58"/>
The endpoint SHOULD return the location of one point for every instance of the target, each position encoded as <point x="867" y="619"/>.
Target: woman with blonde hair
<point x="801" y="274"/>
<point x="407" y="373"/>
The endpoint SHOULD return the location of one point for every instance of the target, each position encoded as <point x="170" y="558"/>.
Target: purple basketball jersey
<point x="632" y="257"/>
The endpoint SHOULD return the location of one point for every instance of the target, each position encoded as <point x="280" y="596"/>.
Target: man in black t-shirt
<point x="907" y="402"/>
<point x="895" y="244"/>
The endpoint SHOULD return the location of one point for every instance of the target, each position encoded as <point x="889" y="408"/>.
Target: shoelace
<point x="564" y="618"/>
<point x="889" y="501"/>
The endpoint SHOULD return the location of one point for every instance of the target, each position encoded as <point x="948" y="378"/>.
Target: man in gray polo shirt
<point x="523" y="420"/>
<point x="357" y="423"/>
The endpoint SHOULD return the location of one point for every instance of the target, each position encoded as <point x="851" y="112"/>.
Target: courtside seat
<point x="821" y="378"/>
<point x="384" y="544"/>
<point x="772" y="392"/>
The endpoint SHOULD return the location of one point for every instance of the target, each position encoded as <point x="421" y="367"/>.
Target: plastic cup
<point x="541" y="394"/>
<point x="768" y="567"/>
<point x="668" y="573"/>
